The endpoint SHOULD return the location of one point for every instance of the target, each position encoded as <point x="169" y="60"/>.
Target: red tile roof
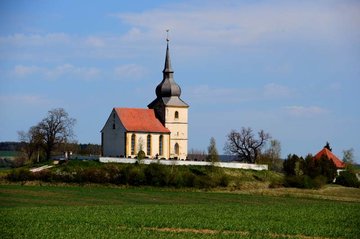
<point x="140" y="120"/>
<point x="338" y="163"/>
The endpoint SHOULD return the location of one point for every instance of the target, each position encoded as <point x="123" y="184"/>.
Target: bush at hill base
<point x="308" y="173"/>
<point x="347" y="179"/>
<point x="158" y="175"/>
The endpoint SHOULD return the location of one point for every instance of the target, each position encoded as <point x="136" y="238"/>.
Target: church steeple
<point x="172" y="111"/>
<point x="167" y="66"/>
<point x="168" y="86"/>
<point x="168" y="91"/>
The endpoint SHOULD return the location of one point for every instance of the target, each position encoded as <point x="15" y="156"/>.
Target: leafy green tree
<point x="213" y="155"/>
<point x="293" y="165"/>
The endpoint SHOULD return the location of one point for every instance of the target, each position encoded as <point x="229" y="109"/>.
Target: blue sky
<point x="291" y="68"/>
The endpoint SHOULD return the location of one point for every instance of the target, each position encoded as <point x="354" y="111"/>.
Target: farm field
<point x="114" y="212"/>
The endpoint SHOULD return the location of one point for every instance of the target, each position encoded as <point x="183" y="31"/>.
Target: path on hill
<point x="41" y="168"/>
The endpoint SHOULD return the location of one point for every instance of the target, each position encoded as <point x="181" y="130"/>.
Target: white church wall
<point x="113" y="137"/>
<point x="177" y="123"/>
<point x="141" y="141"/>
<point x="182" y="114"/>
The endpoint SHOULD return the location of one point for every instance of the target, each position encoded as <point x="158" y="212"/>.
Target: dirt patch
<point x="30" y="193"/>
<point x="188" y="230"/>
<point x="242" y="233"/>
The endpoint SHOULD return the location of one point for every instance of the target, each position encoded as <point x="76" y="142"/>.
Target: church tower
<point x="172" y="111"/>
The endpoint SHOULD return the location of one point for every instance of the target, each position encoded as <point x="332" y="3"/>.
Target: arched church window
<point x="132" y="144"/>
<point x="176" y="148"/>
<point x="176" y="114"/>
<point x="148" y="145"/>
<point x="161" y="142"/>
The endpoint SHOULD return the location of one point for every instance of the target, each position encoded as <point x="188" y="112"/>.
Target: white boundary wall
<point x="257" y="167"/>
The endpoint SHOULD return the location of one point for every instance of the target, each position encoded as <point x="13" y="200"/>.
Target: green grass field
<point x="9" y="153"/>
<point x="113" y="212"/>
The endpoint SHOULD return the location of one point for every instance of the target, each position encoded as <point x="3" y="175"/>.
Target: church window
<point x="113" y="126"/>
<point x="176" y="148"/>
<point x="176" y="115"/>
<point x="132" y="144"/>
<point x="161" y="142"/>
<point x="148" y="145"/>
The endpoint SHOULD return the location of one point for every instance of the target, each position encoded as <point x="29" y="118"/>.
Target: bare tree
<point x="196" y="155"/>
<point x="348" y="156"/>
<point x="244" y="145"/>
<point x="56" y="128"/>
<point x="272" y="156"/>
<point x="31" y="142"/>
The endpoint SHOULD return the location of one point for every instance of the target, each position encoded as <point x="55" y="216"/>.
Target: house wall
<point x="113" y="139"/>
<point x="179" y="130"/>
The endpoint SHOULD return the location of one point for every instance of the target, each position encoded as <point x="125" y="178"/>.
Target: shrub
<point x="347" y="179"/>
<point x="19" y="175"/>
<point x="199" y="171"/>
<point x="223" y="180"/>
<point x="157" y="175"/>
<point x="136" y="176"/>
<point x="276" y="183"/>
<point x="95" y="175"/>
<point x="203" y="182"/>
<point x="18" y="162"/>
<point x="44" y="175"/>
<point x="319" y="181"/>
<point x="141" y="155"/>
<point x="305" y="181"/>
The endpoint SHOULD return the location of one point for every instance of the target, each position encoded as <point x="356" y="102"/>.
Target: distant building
<point x="326" y="151"/>
<point x="161" y="131"/>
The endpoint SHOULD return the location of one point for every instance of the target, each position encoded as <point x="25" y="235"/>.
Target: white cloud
<point x="273" y="90"/>
<point x="129" y="71"/>
<point x="24" y="71"/>
<point x="201" y="29"/>
<point x="247" y="23"/>
<point x="206" y="94"/>
<point x="306" y="111"/>
<point x="56" y="72"/>
<point x="68" y="69"/>
<point x="20" y="39"/>
<point x="26" y="99"/>
<point x="95" y="41"/>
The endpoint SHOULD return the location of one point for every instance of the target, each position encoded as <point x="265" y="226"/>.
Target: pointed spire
<point x="168" y="86"/>
<point x="167" y="67"/>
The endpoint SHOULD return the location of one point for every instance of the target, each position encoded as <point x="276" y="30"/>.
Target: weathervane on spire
<point x="167" y="35"/>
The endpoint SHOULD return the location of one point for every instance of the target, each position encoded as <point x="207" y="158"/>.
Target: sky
<point x="291" y="68"/>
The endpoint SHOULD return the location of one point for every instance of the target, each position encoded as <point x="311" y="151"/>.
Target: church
<point x="161" y="130"/>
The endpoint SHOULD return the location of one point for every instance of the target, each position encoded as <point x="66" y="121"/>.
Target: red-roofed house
<point x="326" y="152"/>
<point x="161" y="131"/>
